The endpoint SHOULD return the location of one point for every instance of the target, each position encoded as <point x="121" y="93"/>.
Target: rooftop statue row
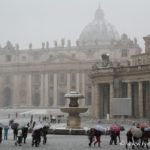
<point x="123" y="41"/>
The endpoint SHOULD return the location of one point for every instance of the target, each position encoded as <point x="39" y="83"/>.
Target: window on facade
<point x="8" y="58"/>
<point x="124" y="52"/>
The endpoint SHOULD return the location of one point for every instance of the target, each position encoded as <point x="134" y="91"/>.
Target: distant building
<point x="41" y="77"/>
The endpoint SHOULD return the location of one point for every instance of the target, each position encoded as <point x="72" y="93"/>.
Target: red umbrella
<point x="143" y="125"/>
<point x="115" y="128"/>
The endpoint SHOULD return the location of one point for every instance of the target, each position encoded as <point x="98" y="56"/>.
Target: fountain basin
<point x="73" y="119"/>
<point x="72" y="110"/>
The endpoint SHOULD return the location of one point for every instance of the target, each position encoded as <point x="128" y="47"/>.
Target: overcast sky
<point x="37" y="21"/>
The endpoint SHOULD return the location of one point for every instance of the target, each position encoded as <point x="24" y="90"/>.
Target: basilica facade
<point x="40" y="77"/>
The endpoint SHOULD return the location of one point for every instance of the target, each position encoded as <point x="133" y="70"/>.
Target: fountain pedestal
<point x="73" y="119"/>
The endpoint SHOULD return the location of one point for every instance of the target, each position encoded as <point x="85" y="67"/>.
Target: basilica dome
<point x="98" y="31"/>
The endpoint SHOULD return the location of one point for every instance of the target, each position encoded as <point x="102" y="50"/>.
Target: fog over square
<point x="37" y="21"/>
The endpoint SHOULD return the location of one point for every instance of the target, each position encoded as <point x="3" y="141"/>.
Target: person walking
<point x="91" y="134"/>
<point x="44" y="133"/>
<point x="24" y="133"/>
<point x="6" y="128"/>
<point x="98" y="137"/>
<point x="1" y="129"/>
<point x="15" y="132"/>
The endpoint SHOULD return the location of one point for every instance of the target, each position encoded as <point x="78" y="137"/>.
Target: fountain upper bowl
<point x="73" y="94"/>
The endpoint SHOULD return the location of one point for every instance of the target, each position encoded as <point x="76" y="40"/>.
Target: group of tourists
<point x="138" y="135"/>
<point x="38" y="130"/>
<point x="94" y="134"/>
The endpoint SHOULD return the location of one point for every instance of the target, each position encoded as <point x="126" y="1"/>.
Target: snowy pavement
<point x="62" y="142"/>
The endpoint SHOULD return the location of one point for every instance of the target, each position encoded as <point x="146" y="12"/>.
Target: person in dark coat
<point x="36" y="137"/>
<point x="24" y="133"/>
<point x="91" y="134"/>
<point x="15" y="132"/>
<point x="1" y="129"/>
<point x="98" y="137"/>
<point x="44" y="133"/>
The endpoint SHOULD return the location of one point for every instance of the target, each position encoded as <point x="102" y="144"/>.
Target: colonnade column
<point x="129" y="89"/>
<point x="29" y="91"/>
<point x="41" y="90"/>
<point x="46" y="90"/>
<point x="111" y="95"/>
<point x="140" y="98"/>
<point x="96" y="101"/>
<point x="77" y="82"/>
<point x="55" y="90"/>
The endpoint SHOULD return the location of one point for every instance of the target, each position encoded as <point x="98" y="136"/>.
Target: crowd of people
<point x="138" y="135"/>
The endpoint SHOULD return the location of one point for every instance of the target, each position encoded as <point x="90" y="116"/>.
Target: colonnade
<point x="139" y="94"/>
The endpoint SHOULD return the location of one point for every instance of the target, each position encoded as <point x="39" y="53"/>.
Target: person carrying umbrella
<point x="98" y="132"/>
<point x="14" y="126"/>
<point x="36" y="134"/>
<point x="114" y="132"/>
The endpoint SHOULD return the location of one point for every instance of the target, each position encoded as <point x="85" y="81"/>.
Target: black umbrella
<point x="15" y="125"/>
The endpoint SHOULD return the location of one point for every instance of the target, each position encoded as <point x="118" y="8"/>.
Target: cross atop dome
<point x="99" y="14"/>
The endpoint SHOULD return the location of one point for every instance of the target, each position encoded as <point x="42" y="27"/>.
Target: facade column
<point x="41" y="90"/>
<point x="111" y="95"/>
<point x="29" y="91"/>
<point x="129" y="90"/>
<point x="15" y="101"/>
<point x="83" y="88"/>
<point x="77" y="82"/>
<point x="46" y="90"/>
<point x="55" y="90"/>
<point x="140" y="98"/>
<point x="68" y="88"/>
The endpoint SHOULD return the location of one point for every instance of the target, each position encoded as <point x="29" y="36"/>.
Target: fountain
<point x="73" y="119"/>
